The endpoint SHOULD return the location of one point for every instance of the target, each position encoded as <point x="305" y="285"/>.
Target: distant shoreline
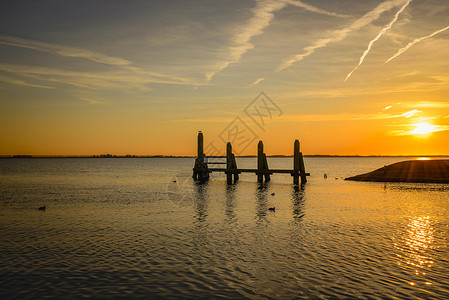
<point x="175" y="156"/>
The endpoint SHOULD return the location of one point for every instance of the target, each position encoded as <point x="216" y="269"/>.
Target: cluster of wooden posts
<point x="201" y="170"/>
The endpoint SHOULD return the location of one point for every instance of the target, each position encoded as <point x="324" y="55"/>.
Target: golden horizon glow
<point x="176" y="67"/>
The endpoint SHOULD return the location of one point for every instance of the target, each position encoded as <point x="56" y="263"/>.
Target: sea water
<point x="141" y="228"/>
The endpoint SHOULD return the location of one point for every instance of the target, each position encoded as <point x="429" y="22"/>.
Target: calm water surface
<point x="141" y="228"/>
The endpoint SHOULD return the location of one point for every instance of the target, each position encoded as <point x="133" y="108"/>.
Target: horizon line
<point x="193" y="156"/>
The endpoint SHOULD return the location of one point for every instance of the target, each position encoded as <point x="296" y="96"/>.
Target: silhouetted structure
<point x="201" y="169"/>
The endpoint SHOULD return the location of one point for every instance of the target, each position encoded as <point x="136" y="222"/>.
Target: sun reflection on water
<point x="414" y="246"/>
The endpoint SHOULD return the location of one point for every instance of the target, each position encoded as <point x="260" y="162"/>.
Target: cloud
<point x="312" y="8"/>
<point x="257" y="81"/>
<point x="262" y="14"/>
<point x="90" y="80"/>
<point x="90" y="100"/>
<point x="402" y="50"/>
<point x="388" y="107"/>
<point x="410" y="113"/>
<point x="300" y="118"/>
<point x="340" y="34"/>
<point x="382" y="32"/>
<point x="63" y="50"/>
<point x="420" y="129"/>
<point x="22" y="82"/>
<point x="66" y="51"/>
<point x="429" y="104"/>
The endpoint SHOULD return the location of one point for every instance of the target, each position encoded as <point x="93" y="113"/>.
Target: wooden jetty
<point x="201" y="169"/>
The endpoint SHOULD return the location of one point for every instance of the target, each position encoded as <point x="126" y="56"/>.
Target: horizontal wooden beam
<point x="256" y="171"/>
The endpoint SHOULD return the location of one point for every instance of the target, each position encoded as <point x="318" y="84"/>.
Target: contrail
<point x="313" y="8"/>
<point x="340" y="34"/>
<point x="402" y="50"/>
<point x="261" y="18"/>
<point x="382" y="32"/>
<point x="262" y="15"/>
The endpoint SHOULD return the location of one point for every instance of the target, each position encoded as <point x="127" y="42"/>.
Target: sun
<point x="423" y="128"/>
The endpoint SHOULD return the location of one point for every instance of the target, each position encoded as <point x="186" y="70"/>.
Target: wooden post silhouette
<point x="298" y="165"/>
<point x="200" y="170"/>
<point x="231" y="165"/>
<point x="262" y="164"/>
<point x="200" y="144"/>
<point x="228" y="163"/>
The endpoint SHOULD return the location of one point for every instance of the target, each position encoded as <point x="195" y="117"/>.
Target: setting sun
<point x="423" y="128"/>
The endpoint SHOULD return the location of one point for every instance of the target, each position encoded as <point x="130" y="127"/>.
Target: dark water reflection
<point x="231" y="203"/>
<point x="123" y="230"/>
<point x="298" y="193"/>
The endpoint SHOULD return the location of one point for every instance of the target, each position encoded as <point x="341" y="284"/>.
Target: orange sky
<point x="346" y="78"/>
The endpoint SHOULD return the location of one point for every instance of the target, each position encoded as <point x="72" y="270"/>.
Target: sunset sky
<point x="143" y="77"/>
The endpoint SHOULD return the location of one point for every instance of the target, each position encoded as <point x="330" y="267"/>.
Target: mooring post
<point x="260" y="161"/>
<point x="302" y="169"/>
<point x="296" y="162"/>
<point x="200" y="144"/>
<point x="299" y="169"/>
<point x="265" y="167"/>
<point x="234" y="167"/>
<point x="200" y="170"/>
<point x="229" y="165"/>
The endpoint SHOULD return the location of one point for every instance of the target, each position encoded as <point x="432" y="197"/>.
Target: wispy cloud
<point x="90" y="100"/>
<point x="340" y="34"/>
<point x="262" y="14"/>
<point x="428" y="104"/>
<point x="62" y="50"/>
<point x="257" y="81"/>
<point x="382" y="32"/>
<point x="22" y="82"/>
<point x="299" y="118"/>
<point x="90" y="80"/>
<point x="410" y="113"/>
<point x="75" y="52"/>
<point x="417" y="40"/>
<point x="420" y="129"/>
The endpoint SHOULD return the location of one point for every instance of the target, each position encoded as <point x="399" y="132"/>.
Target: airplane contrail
<point x="313" y="8"/>
<point x="402" y="50"/>
<point x="382" y="32"/>
<point x="340" y="34"/>
<point x="262" y="15"/>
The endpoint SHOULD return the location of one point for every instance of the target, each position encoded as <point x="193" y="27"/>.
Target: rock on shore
<point x="426" y="171"/>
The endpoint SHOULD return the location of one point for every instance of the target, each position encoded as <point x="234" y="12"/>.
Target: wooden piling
<point x="298" y="165"/>
<point x="260" y="162"/>
<point x="231" y="165"/>
<point x="296" y="162"/>
<point x="262" y="165"/>
<point x="200" y="144"/>
<point x="265" y="166"/>
<point x="200" y="170"/>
